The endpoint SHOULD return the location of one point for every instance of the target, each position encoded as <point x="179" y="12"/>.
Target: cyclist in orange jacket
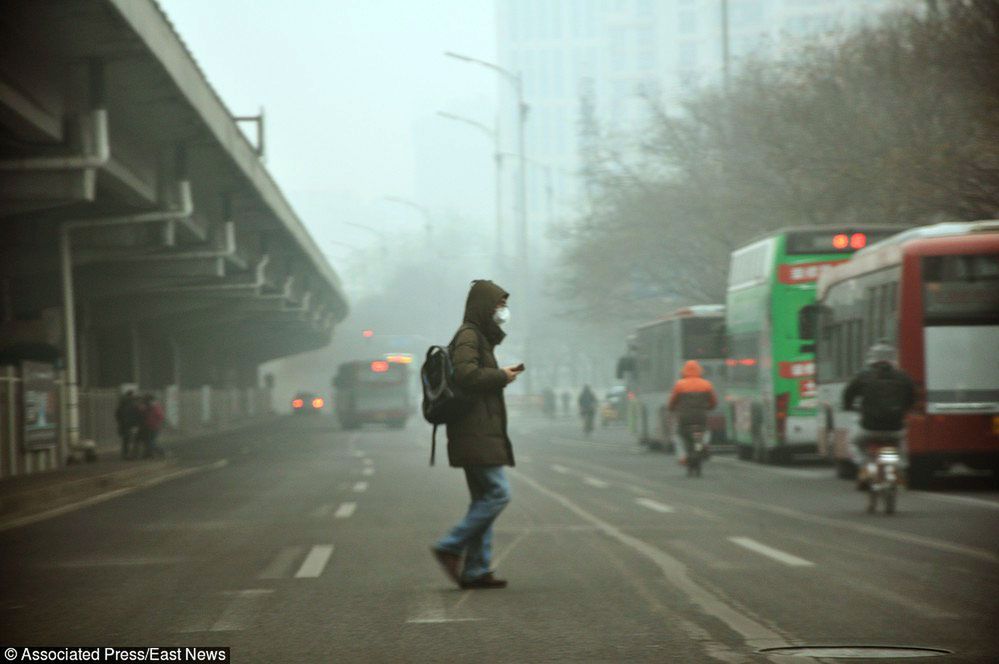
<point x="692" y="397"/>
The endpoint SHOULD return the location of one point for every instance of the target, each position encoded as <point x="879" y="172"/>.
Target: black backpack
<point x="443" y="400"/>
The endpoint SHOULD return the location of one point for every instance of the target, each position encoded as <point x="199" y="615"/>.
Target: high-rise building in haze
<point x="620" y="53"/>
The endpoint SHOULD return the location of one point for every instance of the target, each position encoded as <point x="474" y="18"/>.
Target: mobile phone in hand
<point x="519" y="367"/>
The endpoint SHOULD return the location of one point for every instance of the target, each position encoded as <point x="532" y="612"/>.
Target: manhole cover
<point x="856" y="652"/>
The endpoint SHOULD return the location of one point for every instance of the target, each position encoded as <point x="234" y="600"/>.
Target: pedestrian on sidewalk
<point x="152" y="423"/>
<point x="128" y="418"/>
<point x="478" y="442"/>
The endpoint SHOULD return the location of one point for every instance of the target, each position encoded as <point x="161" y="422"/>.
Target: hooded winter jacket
<point x="480" y="438"/>
<point x="692" y="396"/>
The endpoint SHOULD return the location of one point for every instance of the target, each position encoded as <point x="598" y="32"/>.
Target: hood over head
<point x="691" y="369"/>
<point x="480" y="306"/>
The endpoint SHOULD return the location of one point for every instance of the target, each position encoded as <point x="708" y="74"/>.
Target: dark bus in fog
<point x="372" y="391"/>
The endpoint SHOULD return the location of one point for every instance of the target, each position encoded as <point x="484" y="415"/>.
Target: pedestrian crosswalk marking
<point x="360" y="486"/>
<point x="315" y="562"/>
<point x="776" y="554"/>
<point x="368" y="472"/>
<point x="653" y="505"/>
<point x="345" y="510"/>
<point x="281" y="565"/>
<point x="593" y="481"/>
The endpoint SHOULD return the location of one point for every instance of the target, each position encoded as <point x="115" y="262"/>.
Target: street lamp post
<point x="518" y="85"/>
<point x="498" y="160"/>
<point x="428" y="219"/>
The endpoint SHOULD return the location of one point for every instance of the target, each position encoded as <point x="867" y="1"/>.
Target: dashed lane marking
<point x="754" y="633"/>
<point x="243" y="608"/>
<point x="770" y="552"/>
<point x="561" y="470"/>
<point x="368" y="472"/>
<point x="654" y="506"/>
<point x="345" y="511"/>
<point x="280" y="567"/>
<point x="315" y="562"/>
<point x="597" y="482"/>
<point x="368" y="461"/>
<point x="360" y="487"/>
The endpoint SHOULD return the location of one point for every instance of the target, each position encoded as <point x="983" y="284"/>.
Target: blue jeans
<point x="473" y="535"/>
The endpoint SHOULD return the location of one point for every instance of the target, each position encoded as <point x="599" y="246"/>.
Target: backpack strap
<point x="433" y="445"/>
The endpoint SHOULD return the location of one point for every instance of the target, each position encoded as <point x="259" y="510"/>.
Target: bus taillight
<point x="858" y="241"/>
<point x="783" y="402"/>
<point x="841" y="241"/>
<point x="379" y="366"/>
<point x="297" y="403"/>
<point x="318" y="403"/>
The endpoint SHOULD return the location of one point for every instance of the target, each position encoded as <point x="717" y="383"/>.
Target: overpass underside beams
<point x="186" y="264"/>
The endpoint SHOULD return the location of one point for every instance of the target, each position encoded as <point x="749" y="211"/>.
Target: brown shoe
<point x="486" y="581"/>
<point x="450" y="562"/>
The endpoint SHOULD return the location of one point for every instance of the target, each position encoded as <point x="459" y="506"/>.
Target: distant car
<point x="307" y="403"/>
<point x="614" y="406"/>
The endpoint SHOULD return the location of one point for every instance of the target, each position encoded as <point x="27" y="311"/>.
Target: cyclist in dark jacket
<point x="886" y="394"/>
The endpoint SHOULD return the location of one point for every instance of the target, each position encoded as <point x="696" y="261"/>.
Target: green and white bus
<point x="770" y="398"/>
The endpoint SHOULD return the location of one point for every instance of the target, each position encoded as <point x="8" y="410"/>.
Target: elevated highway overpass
<point x="142" y="240"/>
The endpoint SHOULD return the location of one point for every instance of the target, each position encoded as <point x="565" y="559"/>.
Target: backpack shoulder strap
<point x="433" y="445"/>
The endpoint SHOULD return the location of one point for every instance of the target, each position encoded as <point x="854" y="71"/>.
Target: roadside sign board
<point x="41" y="405"/>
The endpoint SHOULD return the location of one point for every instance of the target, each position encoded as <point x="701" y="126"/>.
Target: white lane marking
<point x="593" y="481"/>
<point x="806" y="473"/>
<point x="280" y="567"/>
<point x="868" y="531"/>
<point x="776" y="554"/>
<point x="701" y="553"/>
<point x="755" y="634"/>
<point x="359" y="454"/>
<point x="368" y="462"/>
<point x="654" y="506"/>
<point x="345" y="511"/>
<point x="431" y="611"/>
<point x="113" y="562"/>
<point x="561" y="470"/>
<point x="110" y="495"/>
<point x="243" y="608"/>
<point x="368" y="472"/>
<point x="315" y="562"/>
<point x="360" y="486"/>
<point x="964" y="500"/>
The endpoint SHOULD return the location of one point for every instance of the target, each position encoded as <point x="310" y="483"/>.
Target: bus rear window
<point x="703" y="338"/>
<point x="961" y="289"/>
<point x="832" y="240"/>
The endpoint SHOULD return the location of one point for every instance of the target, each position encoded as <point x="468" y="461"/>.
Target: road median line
<point x="28" y="519"/>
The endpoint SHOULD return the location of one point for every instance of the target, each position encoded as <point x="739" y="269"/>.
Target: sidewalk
<point x="26" y="499"/>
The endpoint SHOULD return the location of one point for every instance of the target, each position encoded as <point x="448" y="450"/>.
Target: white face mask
<point x="502" y="316"/>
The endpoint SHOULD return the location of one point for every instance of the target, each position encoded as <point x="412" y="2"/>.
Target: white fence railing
<point x="189" y="412"/>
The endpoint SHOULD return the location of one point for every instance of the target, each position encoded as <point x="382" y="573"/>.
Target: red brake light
<point x="318" y="403"/>
<point x="379" y="366"/>
<point x="783" y="402"/>
<point x="841" y="241"/>
<point x="748" y="362"/>
<point x="858" y="241"/>
<point x="367" y="334"/>
<point x="297" y="403"/>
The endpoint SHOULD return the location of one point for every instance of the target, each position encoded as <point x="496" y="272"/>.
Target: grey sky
<point x="344" y="84"/>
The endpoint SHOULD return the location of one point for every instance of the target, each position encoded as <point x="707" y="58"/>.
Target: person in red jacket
<point x="692" y="397"/>
<point x="152" y="423"/>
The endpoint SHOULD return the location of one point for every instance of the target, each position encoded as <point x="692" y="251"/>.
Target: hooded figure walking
<point x="478" y="441"/>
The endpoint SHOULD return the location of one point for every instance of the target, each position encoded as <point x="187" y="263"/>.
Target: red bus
<point x="933" y="293"/>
